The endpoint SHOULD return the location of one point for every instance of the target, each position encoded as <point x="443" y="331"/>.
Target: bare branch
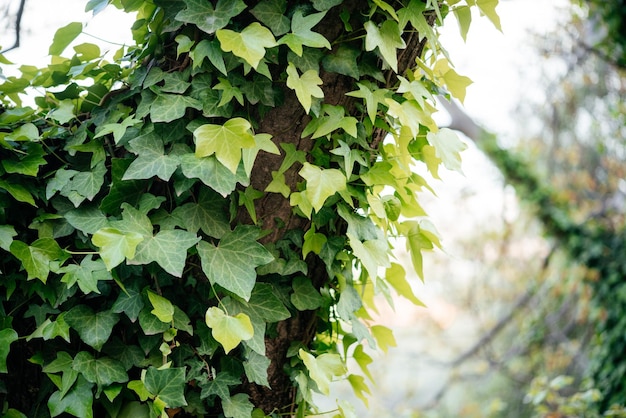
<point x="18" y="27"/>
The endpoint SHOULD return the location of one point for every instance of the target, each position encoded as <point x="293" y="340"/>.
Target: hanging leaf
<point x="448" y="147"/>
<point x="323" y="368"/>
<point x="64" y="36"/>
<point x="7" y="337"/>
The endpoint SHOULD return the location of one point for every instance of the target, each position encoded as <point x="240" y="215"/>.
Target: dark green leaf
<point x="93" y="328"/>
<point x="237" y="406"/>
<point x="169" y="107"/>
<point x="305" y="296"/>
<point x="272" y="14"/>
<point x="167" y="384"/>
<point x="209" y="214"/>
<point x="232" y="263"/>
<point x="77" y="401"/>
<point x="7" y="337"/>
<point x="103" y="371"/>
<point x="36" y="257"/>
<point x="255" y="367"/>
<point x="202" y="14"/>
<point x="129" y="302"/>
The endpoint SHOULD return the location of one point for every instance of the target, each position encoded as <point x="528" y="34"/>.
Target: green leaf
<point x="212" y="173"/>
<point x="232" y="263"/>
<point x="168" y="248"/>
<point x="488" y="8"/>
<point x="265" y="304"/>
<point x="229" y="331"/>
<point x="384" y="337"/>
<point x="115" y="245"/>
<point x="167" y="384"/>
<point x="150" y="324"/>
<point x="272" y="14"/>
<point x="202" y="14"/>
<point x="87" y="219"/>
<point x="457" y="84"/>
<point x="225" y="141"/>
<point x="313" y="242"/>
<point x="151" y="160"/>
<point x="387" y="38"/>
<point x="87" y="274"/>
<point x="117" y="129"/>
<point x="63" y="364"/>
<point x="121" y="191"/>
<point x="219" y="385"/>
<point x="305" y="296"/>
<point x="7" y="337"/>
<point x="302" y="35"/>
<point x="169" y="107"/>
<point x="372" y="253"/>
<point x="372" y="98"/>
<point x="64" y="36"/>
<point x="255" y="367"/>
<point x="163" y="308"/>
<point x="64" y="112"/>
<point x="305" y="86"/>
<point x="36" y="257"/>
<point x="360" y="388"/>
<point x="212" y="51"/>
<point x="334" y="118"/>
<point x="363" y="360"/>
<point x="321" y="183"/>
<point x="77" y="402"/>
<point x="7" y="232"/>
<point x="323" y="5"/>
<point x="228" y="92"/>
<point x="396" y="277"/>
<point x="29" y="163"/>
<point x="343" y="61"/>
<point x="19" y="192"/>
<point x="463" y="16"/>
<point x="250" y="44"/>
<point x="102" y="371"/>
<point x="448" y="147"/>
<point x="208" y="214"/>
<point x="237" y="406"/>
<point x="93" y="328"/>
<point x="323" y="368"/>
<point x="129" y="302"/>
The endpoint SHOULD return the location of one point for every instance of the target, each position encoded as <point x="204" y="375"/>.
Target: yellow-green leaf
<point x="488" y="8"/>
<point x="163" y="308"/>
<point x="321" y="183"/>
<point x="305" y="86"/>
<point x="225" y="141"/>
<point x="323" y="368"/>
<point x="249" y="44"/>
<point x="229" y="330"/>
<point x="448" y="147"/>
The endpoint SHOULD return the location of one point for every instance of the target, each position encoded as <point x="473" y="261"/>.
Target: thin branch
<point x="18" y="27"/>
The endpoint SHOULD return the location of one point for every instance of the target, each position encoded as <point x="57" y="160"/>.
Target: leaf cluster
<point x="138" y="276"/>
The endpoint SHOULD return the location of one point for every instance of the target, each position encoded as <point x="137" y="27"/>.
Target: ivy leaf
<point x="36" y="257"/>
<point x="163" y="308"/>
<point x="64" y="112"/>
<point x="302" y="35"/>
<point x="305" y="296"/>
<point x="323" y="368"/>
<point x="463" y="16"/>
<point x="168" y="248"/>
<point x="228" y="330"/>
<point x="169" y="107"/>
<point x="334" y="118"/>
<point x="249" y="44"/>
<point x="167" y="384"/>
<point x="212" y="51"/>
<point x="255" y="367"/>
<point x="272" y="14"/>
<point x="29" y="163"/>
<point x="151" y="160"/>
<point x="7" y="337"/>
<point x="102" y="371"/>
<point x="208" y="214"/>
<point x="64" y="36"/>
<point x="121" y="191"/>
<point x="232" y="264"/>
<point x="225" y="141"/>
<point x="202" y="14"/>
<point x="87" y="219"/>
<point x="117" y="129"/>
<point x="360" y="388"/>
<point x="343" y="61"/>
<point x="457" y="84"/>
<point x="396" y="277"/>
<point x="387" y="38"/>
<point x="7" y="232"/>
<point x="384" y="337"/>
<point x="237" y="406"/>
<point x="265" y="304"/>
<point x="150" y="324"/>
<point x="219" y="385"/>
<point x="305" y="86"/>
<point x="372" y="98"/>
<point x="87" y="274"/>
<point x="93" y="328"/>
<point x="228" y="92"/>
<point x="77" y="402"/>
<point x="115" y="245"/>
<point x="18" y="192"/>
<point x="323" y="5"/>
<point x="129" y="302"/>
<point x="63" y="364"/>
<point x="488" y="7"/>
<point x="371" y="253"/>
<point x="321" y="183"/>
<point x="212" y="173"/>
<point x="447" y="147"/>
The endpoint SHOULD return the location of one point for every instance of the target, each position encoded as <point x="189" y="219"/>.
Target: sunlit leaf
<point x="64" y="36"/>
<point x="249" y="44"/>
<point x="321" y="183"/>
<point x="305" y="86"/>
<point x="225" y="141"/>
<point x="323" y="368"/>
